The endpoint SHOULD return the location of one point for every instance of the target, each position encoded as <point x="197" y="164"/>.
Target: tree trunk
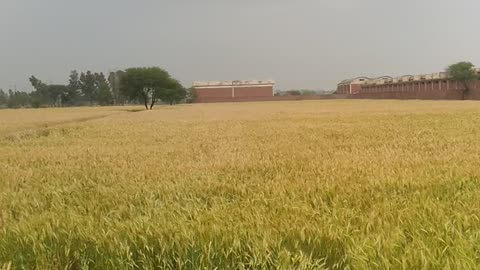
<point x="146" y="102"/>
<point x="153" y="103"/>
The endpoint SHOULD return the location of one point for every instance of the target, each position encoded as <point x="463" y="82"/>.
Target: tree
<point x="3" y="98"/>
<point x="463" y="72"/>
<point x="103" y="94"/>
<point x="72" y="94"/>
<point x="36" y="100"/>
<point x="36" y="83"/>
<point x="174" y="93"/>
<point x="87" y="85"/>
<point x="17" y="99"/>
<point x="191" y="94"/>
<point x="293" y="93"/>
<point x="147" y="84"/>
<point x="308" y="92"/>
<point x="43" y="94"/>
<point x="57" y="93"/>
<point x="95" y="88"/>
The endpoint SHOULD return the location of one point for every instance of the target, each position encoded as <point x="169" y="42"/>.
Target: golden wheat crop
<point x="270" y="185"/>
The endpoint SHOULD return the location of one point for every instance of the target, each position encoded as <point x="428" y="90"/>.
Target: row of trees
<point x="147" y="86"/>
<point x="14" y="99"/>
<point x="82" y="89"/>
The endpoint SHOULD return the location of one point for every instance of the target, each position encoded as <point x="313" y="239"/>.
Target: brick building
<point x="428" y="86"/>
<point x="233" y="90"/>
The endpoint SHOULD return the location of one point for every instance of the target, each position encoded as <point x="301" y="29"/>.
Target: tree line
<point x="147" y="86"/>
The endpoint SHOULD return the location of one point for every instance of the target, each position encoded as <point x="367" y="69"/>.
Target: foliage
<point x="72" y="93"/>
<point x="103" y="94"/>
<point x="293" y="93"/>
<point x="463" y="72"/>
<point x="88" y="85"/>
<point x="151" y="84"/>
<point x="308" y="92"/>
<point x="301" y="92"/>
<point x="173" y="94"/>
<point x="95" y="88"/>
<point x="191" y="94"/>
<point x="50" y="94"/>
<point x="3" y="98"/>
<point x="40" y="94"/>
<point x="17" y="99"/>
<point x="350" y="184"/>
<point x="92" y="88"/>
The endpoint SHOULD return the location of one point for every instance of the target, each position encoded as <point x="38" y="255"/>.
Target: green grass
<point x="277" y="185"/>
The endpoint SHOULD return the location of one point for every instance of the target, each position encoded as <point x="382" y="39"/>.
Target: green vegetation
<point x="92" y="88"/>
<point x="463" y="72"/>
<point x="148" y="85"/>
<point x="275" y="185"/>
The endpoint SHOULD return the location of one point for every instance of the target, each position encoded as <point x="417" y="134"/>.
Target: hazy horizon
<point x="302" y="44"/>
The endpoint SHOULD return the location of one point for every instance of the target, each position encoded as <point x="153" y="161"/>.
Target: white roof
<point x="228" y="83"/>
<point x="404" y="78"/>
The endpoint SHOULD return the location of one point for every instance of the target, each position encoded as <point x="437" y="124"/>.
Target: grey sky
<point x="300" y="44"/>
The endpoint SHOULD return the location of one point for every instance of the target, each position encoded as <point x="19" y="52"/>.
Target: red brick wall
<point x="254" y="91"/>
<point x="203" y="93"/>
<point x="271" y="98"/>
<point x="225" y="93"/>
<point x="342" y="89"/>
<point x="345" y="89"/>
<point x="439" y="89"/>
<point x="418" y="90"/>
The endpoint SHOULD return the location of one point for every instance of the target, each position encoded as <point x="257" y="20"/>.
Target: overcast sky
<point x="299" y="43"/>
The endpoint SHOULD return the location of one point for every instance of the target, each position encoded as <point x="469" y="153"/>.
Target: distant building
<point x="426" y="86"/>
<point x="114" y="79"/>
<point x="216" y="91"/>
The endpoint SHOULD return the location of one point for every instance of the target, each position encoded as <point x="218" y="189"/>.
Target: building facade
<point x="216" y="91"/>
<point x="427" y="86"/>
<point x="114" y="80"/>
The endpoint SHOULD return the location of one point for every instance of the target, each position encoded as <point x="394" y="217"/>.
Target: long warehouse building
<point x="427" y="86"/>
<point x="217" y="91"/>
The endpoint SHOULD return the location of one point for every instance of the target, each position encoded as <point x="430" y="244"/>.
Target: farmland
<point x="344" y="184"/>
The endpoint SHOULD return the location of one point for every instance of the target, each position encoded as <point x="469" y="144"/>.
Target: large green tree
<point x="148" y="85"/>
<point x="50" y="95"/>
<point x="463" y="72"/>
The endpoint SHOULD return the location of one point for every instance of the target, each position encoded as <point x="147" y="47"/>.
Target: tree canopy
<point x="150" y="84"/>
<point x="85" y="88"/>
<point x="463" y="72"/>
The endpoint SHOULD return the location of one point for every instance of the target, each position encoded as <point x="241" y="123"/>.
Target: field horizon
<point x="330" y="184"/>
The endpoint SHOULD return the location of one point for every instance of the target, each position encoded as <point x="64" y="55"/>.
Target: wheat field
<point x="344" y="184"/>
